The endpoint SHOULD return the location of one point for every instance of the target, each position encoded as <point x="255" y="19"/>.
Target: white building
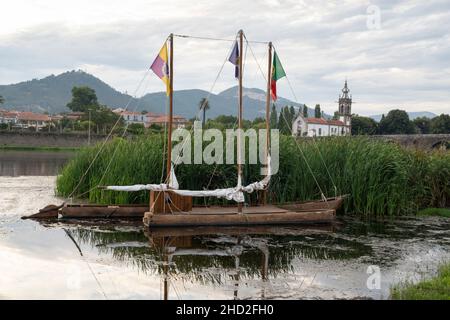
<point x="318" y="127"/>
<point x="9" y="117"/>
<point x="131" y="117"/>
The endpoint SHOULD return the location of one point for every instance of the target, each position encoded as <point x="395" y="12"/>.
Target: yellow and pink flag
<point x="161" y="67"/>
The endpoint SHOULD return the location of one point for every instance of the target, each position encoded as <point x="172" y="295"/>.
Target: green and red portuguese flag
<point x="277" y="73"/>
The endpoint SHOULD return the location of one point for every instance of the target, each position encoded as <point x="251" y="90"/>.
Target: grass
<point x="441" y="212"/>
<point x="383" y="179"/>
<point x="437" y="288"/>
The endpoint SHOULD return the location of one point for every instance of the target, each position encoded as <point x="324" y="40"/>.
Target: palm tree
<point x="204" y="105"/>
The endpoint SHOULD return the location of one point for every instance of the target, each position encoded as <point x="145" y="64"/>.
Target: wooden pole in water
<point x="169" y="131"/>
<point x="269" y="78"/>
<point x="239" y="157"/>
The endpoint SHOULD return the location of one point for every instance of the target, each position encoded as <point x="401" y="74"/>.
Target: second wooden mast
<point x="269" y="79"/>
<point x="239" y="154"/>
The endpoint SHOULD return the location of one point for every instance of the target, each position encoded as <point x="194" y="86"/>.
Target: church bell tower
<point x="345" y="108"/>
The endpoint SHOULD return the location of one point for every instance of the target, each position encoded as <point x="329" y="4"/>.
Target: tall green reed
<point x="381" y="178"/>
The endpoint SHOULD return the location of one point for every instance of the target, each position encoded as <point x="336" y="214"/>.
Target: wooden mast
<point x="239" y="157"/>
<point x="169" y="131"/>
<point x="269" y="79"/>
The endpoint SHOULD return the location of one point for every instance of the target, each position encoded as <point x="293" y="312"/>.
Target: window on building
<point x="320" y="131"/>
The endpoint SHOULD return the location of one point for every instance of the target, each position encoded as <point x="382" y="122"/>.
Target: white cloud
<point x="404" y="63"/>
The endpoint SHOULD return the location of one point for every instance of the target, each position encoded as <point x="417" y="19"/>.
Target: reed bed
<point x="382" y="178"/>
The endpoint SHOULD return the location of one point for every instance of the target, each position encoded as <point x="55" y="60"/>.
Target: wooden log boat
<point x="334" y="203"/>
<point x="264" y="215"/>
<point x="137" y="211"/>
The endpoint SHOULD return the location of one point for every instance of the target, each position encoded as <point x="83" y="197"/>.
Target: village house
<point x="30" y="119"/>
<point x="131" y="117"/>
<point x="8" y="117"/>
<point x="162" y="120"/>
<point x="24" y="119"/>
<point x="150" y="118"/>
<point x="318" y="127"/>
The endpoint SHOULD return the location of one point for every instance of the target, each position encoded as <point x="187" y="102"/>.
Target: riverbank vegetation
<point x="398" y="122"/>
<point x="437" y="288"/>
<point x="382" y="178"/>
<point x="440" y="212"/>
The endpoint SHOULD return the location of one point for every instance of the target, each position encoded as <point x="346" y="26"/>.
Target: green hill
<point x="51" y="94"/>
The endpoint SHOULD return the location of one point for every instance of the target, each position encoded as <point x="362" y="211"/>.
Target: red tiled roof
<point x="316" y="120"/>
<point x="164" y="119"/>
<point x="8" y="114"/>
<point x="324" y="121"/>
<point x="131" y="113"/>
<point x="153" y="115"/>
<point x="336" y="122"/>
<point x="30" y="116"/>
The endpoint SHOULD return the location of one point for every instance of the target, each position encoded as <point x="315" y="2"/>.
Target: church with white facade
<point x="319" y="127"/>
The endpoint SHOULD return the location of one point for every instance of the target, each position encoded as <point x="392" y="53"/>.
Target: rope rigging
<point x="175" y="163"/>
<point x="313" y="138"/>
<point x="296" y="142"/>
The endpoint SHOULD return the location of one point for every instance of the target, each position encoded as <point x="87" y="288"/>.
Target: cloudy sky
<point x="393" y="53"/>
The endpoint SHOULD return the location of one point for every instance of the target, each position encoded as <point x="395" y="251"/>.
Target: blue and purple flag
<point x="234" y="59"/>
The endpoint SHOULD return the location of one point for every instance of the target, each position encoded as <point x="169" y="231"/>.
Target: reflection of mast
<point x="264" y="268"/>
<point x="167" y="259"/>
<point x="166" y="275"/>
<point x="237" y="275"/>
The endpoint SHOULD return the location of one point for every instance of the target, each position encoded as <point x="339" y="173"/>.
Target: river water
<point x="352" y="259"/>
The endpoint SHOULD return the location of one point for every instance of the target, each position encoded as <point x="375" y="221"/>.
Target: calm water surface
<point x="128" y="261"/>
<point x="32" y="163"/>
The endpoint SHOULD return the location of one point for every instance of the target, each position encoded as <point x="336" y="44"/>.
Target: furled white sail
<point x="140" y="187"/>
<point x="235" y="194"/>
<point x="227" y="193"/>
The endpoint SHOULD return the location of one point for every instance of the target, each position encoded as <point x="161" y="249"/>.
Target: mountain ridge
<point x="52" y="93"/>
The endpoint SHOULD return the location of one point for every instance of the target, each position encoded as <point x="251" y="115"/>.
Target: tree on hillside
<point x="422" y="124"/>
<point x="396" y="122"/>
<point x="305" y="111"/>
<point x="363" y="125"/>
<point x="204" y="105"/>
<point x="273" y="117"/>
<point x="317" y="112"/>
<point x="440" y="124"/>
<point x="2" y="100"/>
<point x="83" y="99"/>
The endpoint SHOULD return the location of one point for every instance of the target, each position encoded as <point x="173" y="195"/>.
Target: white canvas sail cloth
<point x="235" y="194"/>
<point x="173" y="184"/>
